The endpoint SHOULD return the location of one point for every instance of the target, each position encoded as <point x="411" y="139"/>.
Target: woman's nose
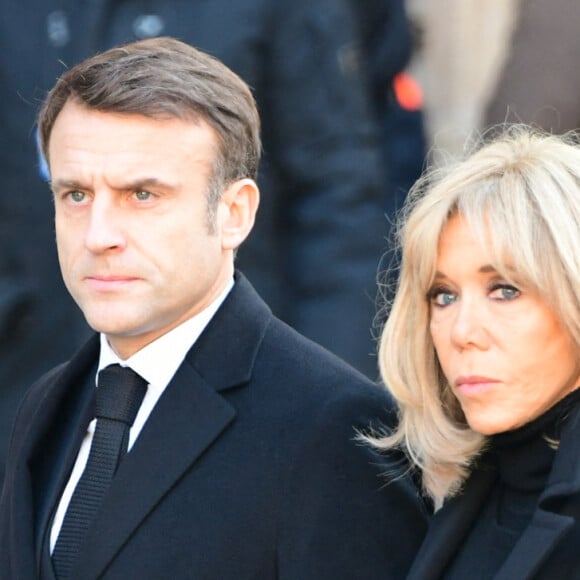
<point x="468" y="327"/>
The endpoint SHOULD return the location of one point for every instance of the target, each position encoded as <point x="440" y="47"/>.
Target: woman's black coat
<point x="548" y="549"/>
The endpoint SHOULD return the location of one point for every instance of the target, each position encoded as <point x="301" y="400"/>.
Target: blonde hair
<point x="524" y="188"/>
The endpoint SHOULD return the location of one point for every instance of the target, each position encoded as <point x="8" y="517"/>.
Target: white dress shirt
<point x="156" y="363"/>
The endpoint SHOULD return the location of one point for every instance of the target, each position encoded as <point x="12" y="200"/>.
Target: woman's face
<point x="505" y="354"/>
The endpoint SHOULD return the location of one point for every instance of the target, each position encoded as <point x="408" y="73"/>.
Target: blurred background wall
<point x="462" y="47"/>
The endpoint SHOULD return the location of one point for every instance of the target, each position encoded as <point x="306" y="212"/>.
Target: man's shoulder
<point x="73" y="369"/>
<point x="287" y="346"/>
<point x="306" y="374"/>
<point x="38" y="389"/>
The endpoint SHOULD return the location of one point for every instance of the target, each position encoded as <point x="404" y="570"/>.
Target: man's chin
<point x="112" y="324"/>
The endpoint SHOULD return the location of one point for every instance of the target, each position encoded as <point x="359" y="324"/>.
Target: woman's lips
<point x="474" y="384"/>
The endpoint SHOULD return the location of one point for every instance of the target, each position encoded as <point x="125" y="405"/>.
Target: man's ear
<point x="237" y="212"/>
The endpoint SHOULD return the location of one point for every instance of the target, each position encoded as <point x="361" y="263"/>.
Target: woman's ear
<point x="237" y="212"/>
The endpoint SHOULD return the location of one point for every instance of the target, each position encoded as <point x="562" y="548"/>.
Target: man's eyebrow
<point x="132" y="185"/>
<point x="65" y="184"/>
<point x="144" y="182"/>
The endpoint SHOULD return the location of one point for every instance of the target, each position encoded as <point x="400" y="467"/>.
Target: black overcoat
<point x="548" y="548"/>
<point x="247" y="467"/>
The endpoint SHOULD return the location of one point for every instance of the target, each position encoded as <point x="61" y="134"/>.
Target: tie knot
<point x="120" y="392"/>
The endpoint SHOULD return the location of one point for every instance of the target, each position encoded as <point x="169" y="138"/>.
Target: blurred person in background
<point x="540" y="82"/>
<point x="389" y="40"/>
<point x="313" y="253"/>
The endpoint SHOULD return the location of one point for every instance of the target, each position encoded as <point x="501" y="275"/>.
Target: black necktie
<point x="119" y="395"/>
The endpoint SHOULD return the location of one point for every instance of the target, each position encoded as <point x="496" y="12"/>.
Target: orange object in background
<point x="408" y="92"/>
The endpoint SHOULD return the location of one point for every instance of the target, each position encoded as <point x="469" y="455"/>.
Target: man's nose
<point x="104" y="229"/>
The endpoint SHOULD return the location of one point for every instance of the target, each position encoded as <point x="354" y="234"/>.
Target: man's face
<point x="135" y="247"/>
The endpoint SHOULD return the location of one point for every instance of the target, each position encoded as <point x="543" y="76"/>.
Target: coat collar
<point x="450" y="525"/>
<point x="54" y="412"/>
<point x="564" y="480"/>
<point x="225" y="353"/>
<point x="188" y="418"/>
<point x="555" y="516"/>
<point x="551" y="521"/>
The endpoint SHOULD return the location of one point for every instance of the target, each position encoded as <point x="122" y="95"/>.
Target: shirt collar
<point x="170" y="349"/>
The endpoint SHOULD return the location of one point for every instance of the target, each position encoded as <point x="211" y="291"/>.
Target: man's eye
<point x="143" y="195"/>
<point x="77" y="196"/>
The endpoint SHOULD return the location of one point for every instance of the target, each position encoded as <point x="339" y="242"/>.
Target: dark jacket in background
<point x="389" y="39"/>
<point x="386" y="42"/>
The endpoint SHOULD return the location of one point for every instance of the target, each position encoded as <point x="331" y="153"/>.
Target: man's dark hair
<point x="165" y="78"/>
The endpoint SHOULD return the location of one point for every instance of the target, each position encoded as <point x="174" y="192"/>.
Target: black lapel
<point x="535" y="545"/>
<point x="450" y="525"/>
<point x="186" y="421"/>
<point x="556" y="514"/>
<point x="36" y="473"/>
<point x="72" y="400"/>
<point x="558" y="511"/>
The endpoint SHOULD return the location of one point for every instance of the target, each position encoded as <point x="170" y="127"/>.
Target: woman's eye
<point x="441" y="297"/>
<point x="504" y="292"/>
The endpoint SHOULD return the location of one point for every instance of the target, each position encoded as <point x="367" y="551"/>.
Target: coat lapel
<point x="535" y="545"/>
<point x="556" y="514"/>
<point x="62" y="443"/>
<point x="46" y="451"/>
<point x="188" y="418"/>
<point x="450" y="525"/>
